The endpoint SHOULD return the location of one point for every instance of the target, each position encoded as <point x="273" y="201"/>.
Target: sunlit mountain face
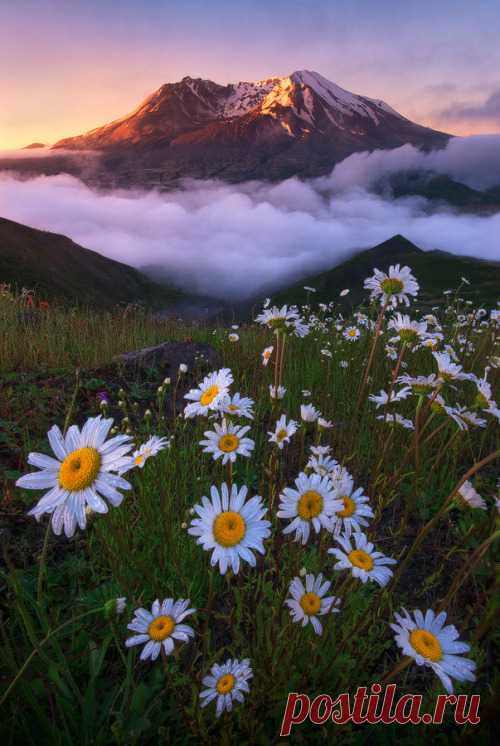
<point x="276" y="128"/>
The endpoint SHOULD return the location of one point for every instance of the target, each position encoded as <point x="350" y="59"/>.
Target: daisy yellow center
<point x="310" y="603"/>
<point x="281" y="435"/>
<point x="481" y="401"/>
<point x="352" y="332"/>
<point x="138" y="460"/>
<point x="422" y="388"/>
<point x="209" y="395"/>
<point x="349" y="507"/>
<point x="310" y="505"/>
<point x="361" y="559"/>
<point x="161" y="628"/>
<point x="392" y="286"/>
<point x="229" y="528"/>
<point x="79" y="469"/>
<point x="225" y="684"/>
<point x="229" y="443"/>
<point x="426" y="644"/>
<point x="233" y="408"/>
<point x="408" y="335"/>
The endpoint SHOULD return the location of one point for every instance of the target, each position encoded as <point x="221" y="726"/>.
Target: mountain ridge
<point x="435" y="270"/>
<point x="59" y="269"/>
<point x="296" y="125"/>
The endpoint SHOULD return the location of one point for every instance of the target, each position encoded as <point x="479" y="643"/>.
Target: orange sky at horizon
<point x="83" y="64"/>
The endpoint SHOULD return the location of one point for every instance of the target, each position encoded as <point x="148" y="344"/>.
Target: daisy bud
<point x="166" y="381"/>
<point x="302" y="572"/>
<point x="115" y="607"/>
<point x="184" y="524"/>
<point x="121" y="403"/>
<point x="183" y="368"/>
<point x="121" y="393"/>
<point x="159" y="390"/>
<point x="147" y="413"/>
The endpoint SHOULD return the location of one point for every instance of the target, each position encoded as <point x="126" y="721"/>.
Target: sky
<point x="67" y="66"/>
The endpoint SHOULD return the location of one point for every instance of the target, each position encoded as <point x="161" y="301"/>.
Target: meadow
<point x="371" y="481"/>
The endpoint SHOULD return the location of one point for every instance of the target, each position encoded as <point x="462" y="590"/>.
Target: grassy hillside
<point x="57" y="268"/>
<point x="436" y="271"/>
<point x="68" y="677"/>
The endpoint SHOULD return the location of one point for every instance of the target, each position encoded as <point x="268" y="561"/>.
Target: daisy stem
<point x="470" y="564"/>
<point x="403" y="663"/>
<point x="282" y="360"/>
<point x="276" y="364"/>
<point x="229" y="473"/>
<point x="45" y="547"/>
<point x="376" y="335"/>
<point x="435" y="519"/>
<point x="36" y="650"/>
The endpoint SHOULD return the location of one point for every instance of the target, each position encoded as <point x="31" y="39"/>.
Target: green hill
<point x="59" y="269"/>
<point x="435" y="271"/>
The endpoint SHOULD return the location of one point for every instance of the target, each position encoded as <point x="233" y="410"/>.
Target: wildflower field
<point x="318" y="513"/>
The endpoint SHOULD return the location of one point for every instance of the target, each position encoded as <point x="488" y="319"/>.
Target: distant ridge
<point x="57" y="268"/>
<point x="435" y="271"/>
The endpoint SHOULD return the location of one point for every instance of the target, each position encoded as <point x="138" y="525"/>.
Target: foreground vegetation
<point x="67" y="675"/>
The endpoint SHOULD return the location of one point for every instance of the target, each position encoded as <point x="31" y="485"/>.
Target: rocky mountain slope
<point x="301" y="124"/>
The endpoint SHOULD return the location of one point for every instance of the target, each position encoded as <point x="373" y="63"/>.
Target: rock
<point x="169" y="355"/>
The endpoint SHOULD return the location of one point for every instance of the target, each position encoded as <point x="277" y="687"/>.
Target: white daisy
<point x="320" y="450"/>
<point x="231" y="527"/>
<point x="356" y="510"/>
<point x="309" y="413"/>
<point x="324" y="424"/>
<point x="394" y="287"/>
<point x="383" y="398"/>
<point x="283" y="431"/>
<point x="469" y="497"/>
<point x="226" y="683"/>
<point x="160" y="627"/>
<point x="323" y="465"/>
<point x="439" y="406"/>
<point x="278" y="319"/>
<point x="484" y="400"/>
<point x="227" y="442"/>
<point x="150" y="448"/>
<point x="361" y="559"/>
<point x="277" y="393"/>
<point x="430" y="643"/>
<point x="396" y="419"/>
<point x="421" y="385"/>
<point x="351" y="333"/>
<point x="238" y="406"/>
<point x="408" y="331"/>
<point x="80" y="475"/>
<point x="449" y="371"/>
<point x="209" y="394"/>
<point x="233" y="337"/>
<point x="312" y="503"/>
<point x="266" y="355"/>
<point x="309" y="602"/>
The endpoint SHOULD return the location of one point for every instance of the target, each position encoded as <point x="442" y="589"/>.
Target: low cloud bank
<point x="232" y="241"/>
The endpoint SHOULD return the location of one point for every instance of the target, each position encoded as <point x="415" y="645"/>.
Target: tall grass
<point x="82" y="686"/>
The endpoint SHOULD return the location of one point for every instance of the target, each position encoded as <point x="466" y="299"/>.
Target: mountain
<point x="440" y="190"/>
<point x="57" y="268"/>
<point x="435" y="271"/>
<point x="297" y="125"/>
